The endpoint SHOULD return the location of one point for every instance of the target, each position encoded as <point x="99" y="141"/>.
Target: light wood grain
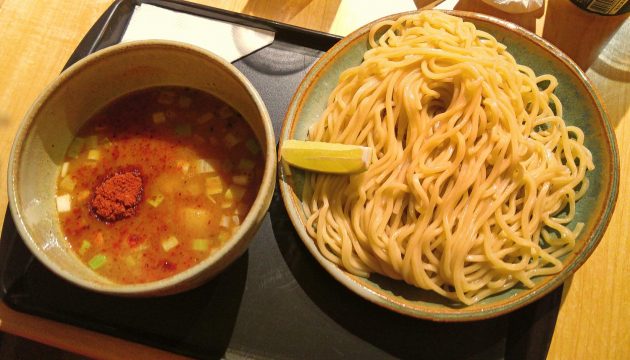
<point x="38" y="36"/>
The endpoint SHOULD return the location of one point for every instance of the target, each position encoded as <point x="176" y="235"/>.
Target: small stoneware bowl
<point x="51" y="123"/>
<point x="582" y="107"/>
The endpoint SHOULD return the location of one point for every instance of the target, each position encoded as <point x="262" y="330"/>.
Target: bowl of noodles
<point x="494" y="168"/>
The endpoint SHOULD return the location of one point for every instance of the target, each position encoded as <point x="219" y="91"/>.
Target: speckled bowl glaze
<point x="50" y="124"/>
<point x="582" y="107"/>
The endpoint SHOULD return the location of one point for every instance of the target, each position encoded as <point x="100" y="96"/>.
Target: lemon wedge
<point x="326" y="157"/>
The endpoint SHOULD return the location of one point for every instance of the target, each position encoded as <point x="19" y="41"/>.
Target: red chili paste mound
<point x="117" y="196"/>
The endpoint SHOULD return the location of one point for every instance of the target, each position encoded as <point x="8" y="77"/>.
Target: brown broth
<point x="164" y="132"/>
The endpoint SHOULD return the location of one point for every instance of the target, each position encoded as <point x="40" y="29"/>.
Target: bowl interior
<point x="581" y="107"/>
<point x="69" y="102"/>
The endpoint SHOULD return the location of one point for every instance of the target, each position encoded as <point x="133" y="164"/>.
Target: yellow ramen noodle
<point x="474" y="174"/>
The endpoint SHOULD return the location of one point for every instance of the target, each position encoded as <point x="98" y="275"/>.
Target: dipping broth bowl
<point x="52" y="122"/>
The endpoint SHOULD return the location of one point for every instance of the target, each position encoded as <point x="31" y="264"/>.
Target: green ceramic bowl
<point x="582" y="107"/>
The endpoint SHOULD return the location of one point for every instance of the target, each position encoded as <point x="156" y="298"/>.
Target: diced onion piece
<point x="156" y="200"/>
<point x="236" y="220"/>
<point x="240" y="179"/>
<point x="204" y="167"/>
<point x="205" y="118"/>
<point x="64" y="169"/>
<point x="64" y="203"/>
<point x="231" y="140"/>
<point x="183" y="130"/>
<point x="238" y="192"/>
<point x="226" y="205"/>
<point x="97" y="261"/>
<point x="83" y="195"/>
<point x="85" y="246"/>
<point x="94" y="155"/>
<point x="67" y="184"/>
<point x="252" y="146"/>
<point x="225" y="221"/>
<point x="91" y="142"/>
<point x="166" y="97"/>
<point x="76" y="147"/>
<point x="184" y="102"/>
<point x="159" y="118"/>
<point x="131" y="261"/>
<point x="246" y="165"/>
<point x="184" y="166"/>
<point x="213" y="186"/>
<point x="170" y="243"/>
<point x="200" y="244"/>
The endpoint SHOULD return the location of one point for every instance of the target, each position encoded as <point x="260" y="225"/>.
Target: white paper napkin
<point x="230" y="41"/>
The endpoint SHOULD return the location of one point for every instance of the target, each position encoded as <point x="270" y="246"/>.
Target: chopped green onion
<point x="64" y="203"/>
<point x="67" y="183"/>
<point x="97" y="261"/>
<point x="140" y="248"/>
<point x="205" y="118"/>
<point x="91" y="142"/>
<point x="156" y="200"/>
<point x="201" y="244"/>
<point x="240" y="179"/>
<point x="184" y="102"/>
<point x="246" y="164"/>
<point x="183" y="130"/>
<point x="159" y="118"/>
<point x="64" y="169"/>
<point x="76" y="147"/>
<point x="94" y="155"/>
<point x="213" y="186"/>
<point x="231" y="140"/>
<point x="204" y="166"/>
<point x="170" y="243"/>
<point x="85" y="246"/>
<point x="252" y="146"/>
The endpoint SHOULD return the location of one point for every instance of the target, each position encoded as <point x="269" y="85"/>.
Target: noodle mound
<point x="474" y="173"/>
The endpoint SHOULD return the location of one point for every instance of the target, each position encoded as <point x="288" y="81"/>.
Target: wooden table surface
<point x="38" y="36"/>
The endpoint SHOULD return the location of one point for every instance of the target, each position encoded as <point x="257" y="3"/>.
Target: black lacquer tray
<point x="275" y="301"/>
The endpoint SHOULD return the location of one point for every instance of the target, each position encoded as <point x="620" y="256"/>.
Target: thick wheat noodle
<point x="474" y="173"/>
